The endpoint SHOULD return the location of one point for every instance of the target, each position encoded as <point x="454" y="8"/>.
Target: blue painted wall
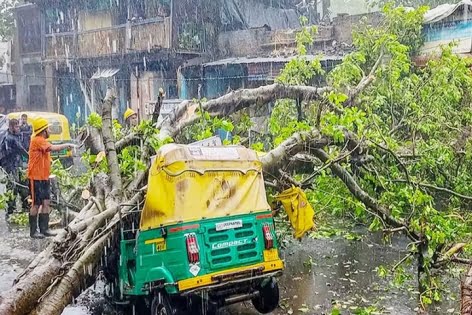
<point x="448" y="31"/>
<point x="71" y="100"/>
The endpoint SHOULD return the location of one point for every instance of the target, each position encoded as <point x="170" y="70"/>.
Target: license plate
<point x="229" y="225"/>
<point x="160" y="244"/>
<point x="271" y="254"/>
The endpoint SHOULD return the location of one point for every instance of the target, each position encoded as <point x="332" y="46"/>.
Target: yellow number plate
<point x="271" y="254"/>
<point x="160" y="244"/>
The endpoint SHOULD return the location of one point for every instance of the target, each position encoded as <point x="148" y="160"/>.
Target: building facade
<point x="70" y="52"/>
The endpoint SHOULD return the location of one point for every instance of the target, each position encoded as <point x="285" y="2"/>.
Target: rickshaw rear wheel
<point x="268" y="299"/>
<point x="161" y="305"/>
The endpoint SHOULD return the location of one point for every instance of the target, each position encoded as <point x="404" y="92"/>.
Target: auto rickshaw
<point x="206" y="235"/>
<point x="59" y="132"/>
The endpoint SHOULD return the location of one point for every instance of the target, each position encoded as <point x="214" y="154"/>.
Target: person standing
<point x="39" y="170"/>
<point x="12" y="151"/>
<point x="26" y="131"/>
<point x="131" y="118"/>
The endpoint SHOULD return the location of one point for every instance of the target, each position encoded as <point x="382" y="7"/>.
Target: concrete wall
<point x="343" y="25"/>
<point x="89" y="20"/>
<point x="263" y="42"/>
<point x="242" y="43"/>
<point x="51" y="88"/>
<point x="31" y="76"/>
<point x="352" y="7"/>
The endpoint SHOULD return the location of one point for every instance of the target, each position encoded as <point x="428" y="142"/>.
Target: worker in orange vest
<point x="39" y="170"/>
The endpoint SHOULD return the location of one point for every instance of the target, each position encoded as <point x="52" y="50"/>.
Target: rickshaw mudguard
<point x="162" y="276"/>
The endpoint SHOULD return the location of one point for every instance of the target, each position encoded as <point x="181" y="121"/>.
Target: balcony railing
<point x="149" y="35"/>
<point x="116" y="40"/>
<point x="60" y="46"/>
<point x="102" y="42"/>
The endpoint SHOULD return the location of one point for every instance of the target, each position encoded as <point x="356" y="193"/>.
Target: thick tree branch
<point x="109" y="141"/>
<point x="187" y="112"/>
<point x="466" y="294"/>
<point x="360" y="194"/>
<point x="127" y="140"/>
<point x="298" y="142"/>
<point x="91" y="138"/>
<point x="363" y="84"/>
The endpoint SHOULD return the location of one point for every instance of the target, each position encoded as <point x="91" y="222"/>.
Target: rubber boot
<point x="10" y="207"/>
<point x="33" y="223"/>
<point x="44" y="225"/>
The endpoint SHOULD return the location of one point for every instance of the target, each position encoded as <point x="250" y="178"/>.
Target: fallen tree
<point x="372" y="139"/>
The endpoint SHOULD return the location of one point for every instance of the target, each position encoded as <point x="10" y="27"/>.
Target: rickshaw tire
<point x="268" y="299"/>
<point x="161" y="304"/>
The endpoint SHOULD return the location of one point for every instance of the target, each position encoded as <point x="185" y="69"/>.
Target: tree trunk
<point x="24" y="295"/>
<point x="466" y="294"/>
<point x="56" y="275"/>
<point x="75" y="252"/>
<point x="187" y="112"/>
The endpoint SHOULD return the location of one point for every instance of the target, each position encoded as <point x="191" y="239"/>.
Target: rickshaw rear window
<point x="55" y="128"/>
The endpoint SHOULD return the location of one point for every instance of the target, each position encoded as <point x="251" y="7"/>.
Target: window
<point x="37" y="97"/>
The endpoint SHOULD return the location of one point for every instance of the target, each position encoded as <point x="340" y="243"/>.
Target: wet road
<point x="319" y="274"/>
<point x="17" y="249"/>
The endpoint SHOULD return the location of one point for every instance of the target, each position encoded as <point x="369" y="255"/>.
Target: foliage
<point x="409" y="3"/>
<point x="130" y="164"/>
<point x="117" y="129"/>
<point x="5" y="198"/>
<point x="94" y="120"/>
<point x="69" y="181"/>
<point x="7" y="22"/>
<point x="151" y="135"/>
<point x="413" y="123"/>
<point x="299" y="70"/>
<point x="207" y="126"/>
<point x="19" y="218"/>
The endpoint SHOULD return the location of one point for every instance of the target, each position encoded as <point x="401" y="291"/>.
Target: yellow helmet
<point x="39" y="124"/>
<point x="129" y="112"/>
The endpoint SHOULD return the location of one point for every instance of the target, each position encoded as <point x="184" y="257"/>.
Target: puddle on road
<point x="318" y="274"/>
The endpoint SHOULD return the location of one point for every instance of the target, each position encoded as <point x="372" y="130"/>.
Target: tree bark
<point x="466" y="294"/>
<point x="187" y="112"/>
<point x="109" y="141"/>
<point x="298" y="142"/>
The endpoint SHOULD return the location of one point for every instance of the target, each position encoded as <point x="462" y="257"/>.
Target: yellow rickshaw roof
<point x="60" y="121"/>
<point x="189" y="183"/>
<point x="200" y="158"/>
<point x="45" y="115"/>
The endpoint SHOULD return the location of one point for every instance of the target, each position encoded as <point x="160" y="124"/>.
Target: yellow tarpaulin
<point x="299" y="210"/>
<point x="188" y="183"/>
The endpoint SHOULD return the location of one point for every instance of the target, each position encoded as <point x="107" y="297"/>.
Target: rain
<point x="61" y="57"/>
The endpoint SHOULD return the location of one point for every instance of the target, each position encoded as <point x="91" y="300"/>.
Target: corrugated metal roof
<point x="104" y="73"/>
<point x="245" y="60"/>
<point x="443" y="11"/>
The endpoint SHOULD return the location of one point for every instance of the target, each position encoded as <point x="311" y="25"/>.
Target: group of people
<point x="23" y="140"/>
<point x="26" y="143"/>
